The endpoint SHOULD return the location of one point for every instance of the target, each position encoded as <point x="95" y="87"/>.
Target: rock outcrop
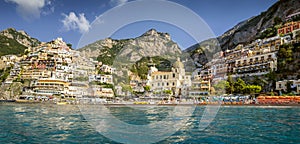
<point x="151" y="43"/>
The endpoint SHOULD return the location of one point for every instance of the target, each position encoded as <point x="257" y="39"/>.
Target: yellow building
<point x="51" y="86"/>
<point x="200" y="88"/>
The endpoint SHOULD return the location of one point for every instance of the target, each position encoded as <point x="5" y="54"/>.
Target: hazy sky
<point x="69" y="19"/>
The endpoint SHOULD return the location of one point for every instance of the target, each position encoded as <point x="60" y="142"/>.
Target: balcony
<point x="239" y="65"/>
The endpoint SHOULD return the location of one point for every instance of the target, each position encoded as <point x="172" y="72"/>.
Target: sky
<point x="74" y="20"/>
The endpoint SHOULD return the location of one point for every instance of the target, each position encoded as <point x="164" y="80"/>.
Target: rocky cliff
<point x="20" y="36"/>
<point x="15" y="42"/>
<point x="151" y="43"/>
<point x="247" y="30"/>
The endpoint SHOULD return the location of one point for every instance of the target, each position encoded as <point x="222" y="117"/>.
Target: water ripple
<point x="22" y="123"/>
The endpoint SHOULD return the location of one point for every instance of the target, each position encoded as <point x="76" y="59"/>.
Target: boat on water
<point x="62" y="103"/>
<point x="4" y="101"/>
<point x="141" y="102"/>
<point x="26" y="99"/>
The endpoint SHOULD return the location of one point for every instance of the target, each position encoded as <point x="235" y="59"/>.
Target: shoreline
<point x="157" y="105"/>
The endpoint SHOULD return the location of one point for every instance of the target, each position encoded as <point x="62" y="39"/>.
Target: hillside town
<point x="54" y="71"/>
<point x="258" y="58"/>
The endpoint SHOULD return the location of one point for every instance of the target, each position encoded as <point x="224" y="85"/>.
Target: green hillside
<point x="15" y="42"/>
<point x="10" y="46"/>
<point x="141" y="67"/>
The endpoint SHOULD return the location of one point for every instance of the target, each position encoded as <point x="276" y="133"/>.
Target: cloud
<point x="30" y="9"/>
<point x="117" y="2"/>
<point x="48" y="9"/>
<point x="72" y="22"/>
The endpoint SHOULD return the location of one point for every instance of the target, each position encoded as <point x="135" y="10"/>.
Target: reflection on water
<point x="140" y="116"/>
<point x="33" y="123"/>
<point x="138" y="128"/>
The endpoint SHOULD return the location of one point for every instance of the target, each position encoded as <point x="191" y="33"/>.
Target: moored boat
<point x="61" y="103"/>
<point x="7" y="100"/>
<point x="26" y="99"/>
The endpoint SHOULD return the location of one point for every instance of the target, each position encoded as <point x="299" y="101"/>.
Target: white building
<point x="282" y="85"/>
<point x="101" y="78"/>
<point x="176" y="80"/>
<point x="107" y="69"/>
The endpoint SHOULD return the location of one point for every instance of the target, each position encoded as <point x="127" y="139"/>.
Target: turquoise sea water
<point x="35" y="123"/>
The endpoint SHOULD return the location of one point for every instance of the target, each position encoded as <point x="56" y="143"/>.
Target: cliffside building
<point x="176" y="80"/>
<point x="288" y="27"/>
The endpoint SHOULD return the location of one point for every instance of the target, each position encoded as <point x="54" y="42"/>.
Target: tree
<point x="220" y="87"/>
<point x="271" y="78"/>
<point x="253" y="89"/>
<point x="239" y="86"/>
<point x="282" y="53"/>
<point x="277" y="20"/>
<point x="126" y="88"/>
<point x="169" y="92"/>
<point x="69" y="45"/>
<point x="289" y="85"/>
<point x="229" y="85"/>
<point x="289" y="54"/>
<point x="147" y="88"/>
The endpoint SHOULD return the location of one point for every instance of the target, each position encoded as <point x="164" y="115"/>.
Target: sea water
<point x="38" y="123"/>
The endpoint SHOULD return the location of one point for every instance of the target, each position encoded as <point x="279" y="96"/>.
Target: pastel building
<point x="288" y="27"/>
<point x="78" y="89"/>
<point x="101" y="78"/>
<point x="200" y="83"/>
<point x="175" y="80"/>
<point x="256" y="63"/>
<point x="107" y="69"/>
<point x="282" y="85"/>
<point x="50" y="87"/>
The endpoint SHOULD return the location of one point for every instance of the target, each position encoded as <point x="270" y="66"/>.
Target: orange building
<point x="288" y="27"/>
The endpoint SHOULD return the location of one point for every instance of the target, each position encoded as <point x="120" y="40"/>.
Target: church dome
<point x="178" y="64"/>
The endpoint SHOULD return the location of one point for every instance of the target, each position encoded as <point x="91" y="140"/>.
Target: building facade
<point x="176" y="80"/>
<point x="288" y="27"/>
<point x="282" y="85"/>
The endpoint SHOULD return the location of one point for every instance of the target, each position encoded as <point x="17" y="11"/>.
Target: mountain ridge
<point x="15" y="42"/>
<point x="151" y="43"/>
<point x="248" y="30"/>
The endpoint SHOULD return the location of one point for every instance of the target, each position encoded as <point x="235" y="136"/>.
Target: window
<point x="270" y="56"/>
<point x="173" y="75"/>
<point x="173" y="84"/>
<point x="168" y="84"/>
<point x="158" y="84"/>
